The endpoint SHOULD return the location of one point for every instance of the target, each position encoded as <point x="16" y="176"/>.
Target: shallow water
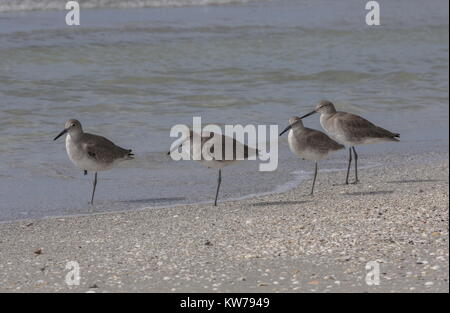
<point x="131" y="74"/>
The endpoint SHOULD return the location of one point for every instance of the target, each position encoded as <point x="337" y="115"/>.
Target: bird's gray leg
<point x="93" y="191"/>
<point x="314" y="180"/>
<point x="356" y="166"/>
<point x="219" y="180"/>
<point x="349" y="163"/>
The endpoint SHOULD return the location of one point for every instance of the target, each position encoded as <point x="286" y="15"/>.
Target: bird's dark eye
<point x="73" y="125"/>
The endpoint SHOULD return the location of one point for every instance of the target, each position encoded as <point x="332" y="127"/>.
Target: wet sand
<point x="289" y="242"/>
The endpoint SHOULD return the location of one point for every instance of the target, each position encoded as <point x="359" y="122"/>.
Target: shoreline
<point x="279" y="189"/>
<point x="287" y="242"/>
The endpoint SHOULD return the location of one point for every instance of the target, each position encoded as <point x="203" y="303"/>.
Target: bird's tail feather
<point x="395" y="136"/>
<point x="129" y="155"/>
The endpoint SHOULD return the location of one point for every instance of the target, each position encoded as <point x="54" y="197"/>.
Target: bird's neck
<point x="75" y="135"/>
<point x="328" y="114"/>
<point x="324" y="118"/>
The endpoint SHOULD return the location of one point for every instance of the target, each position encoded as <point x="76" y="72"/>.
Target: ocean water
<point x="133" y="69"/>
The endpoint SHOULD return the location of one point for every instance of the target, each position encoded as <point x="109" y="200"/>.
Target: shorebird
<point x="309" y="144"/>
<point x="202" y="151"/>
<point x="91" y="152"/>
<point x="350" y="130"/>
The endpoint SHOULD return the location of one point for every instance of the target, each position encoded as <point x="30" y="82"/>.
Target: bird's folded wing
<point x="322" y="142"/>
<point x="359" y="127"/>
<point x="100" y="149"/>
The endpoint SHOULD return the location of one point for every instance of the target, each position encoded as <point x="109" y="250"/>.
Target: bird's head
<point x="71" y="126"/>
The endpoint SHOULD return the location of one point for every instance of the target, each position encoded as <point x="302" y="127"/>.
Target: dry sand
<point x="290" y="242"/>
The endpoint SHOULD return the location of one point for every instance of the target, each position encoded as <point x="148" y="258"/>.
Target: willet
<point x="208" y="158"/>
<point x="91" y="152"/>
<point x="350" y="130"/>
<point x="309" y="144"/>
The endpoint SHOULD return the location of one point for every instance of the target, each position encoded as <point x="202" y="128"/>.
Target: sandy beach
<point x="289" y="242"/>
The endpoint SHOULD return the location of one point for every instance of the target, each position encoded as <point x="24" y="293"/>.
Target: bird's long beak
<point x="286" y="129"/>
<point x="61" y="133"/>
<point x="306" y="115"/>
